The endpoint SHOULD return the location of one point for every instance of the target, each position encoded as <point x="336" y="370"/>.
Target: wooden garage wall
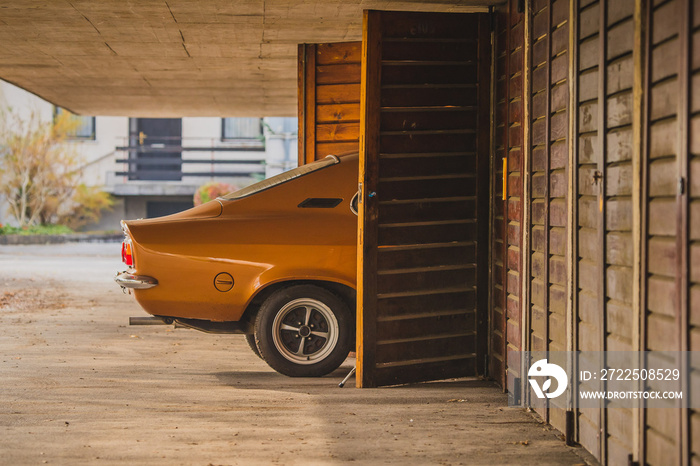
<point x="329" y="99"/>
<point x="508" y="209"/>
<point x="605" y="238"/>
<point x="691" y="207"/>
<point x="672" y="228"/>
<point x="548" y="182"/>
<point x="635" y="203"/>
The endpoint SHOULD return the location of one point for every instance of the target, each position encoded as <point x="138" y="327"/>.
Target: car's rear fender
<point x="347" y="293"/>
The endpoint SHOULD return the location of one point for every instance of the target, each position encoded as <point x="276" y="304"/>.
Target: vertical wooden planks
<point x="426" y="83"/>
<point x="693" y="222"/>
<point x="668" y="231"/>
<point x="307" y="103"/>
<point x="497" y="350"/>
<point x="605" y="256"/>
<point x="548" y="181"/>
<point x="367" y="234"/>
<point x="515" y="192"/>
<point x="507" y="229"/>
<point x="618" y="259"/>
<point x="558" y="141"/>
<point x="636" y="193"/>
<point x="329" y="99"/>
<point x="589" y="161"/>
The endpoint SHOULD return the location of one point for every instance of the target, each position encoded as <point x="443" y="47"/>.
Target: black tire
<point x="304" y="331"/>
<point x="250" y="339"/>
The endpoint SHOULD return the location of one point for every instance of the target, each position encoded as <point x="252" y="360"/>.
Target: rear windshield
<point x="282" y="178"/>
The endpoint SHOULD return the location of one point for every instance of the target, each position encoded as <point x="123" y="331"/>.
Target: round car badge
<point x="223" y="282"/>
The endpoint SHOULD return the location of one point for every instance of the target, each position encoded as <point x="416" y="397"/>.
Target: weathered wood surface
<point x="329" y="99"/>
<point x="422" y="228"/>
<point x="506" y="239"/>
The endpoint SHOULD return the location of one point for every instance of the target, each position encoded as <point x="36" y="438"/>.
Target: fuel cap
<point x="223" y="282"/>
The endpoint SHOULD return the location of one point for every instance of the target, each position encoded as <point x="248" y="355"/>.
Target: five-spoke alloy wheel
<point x="304" y="331"/>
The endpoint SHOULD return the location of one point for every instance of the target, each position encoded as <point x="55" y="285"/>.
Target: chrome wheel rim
<point x="305" y="331"/>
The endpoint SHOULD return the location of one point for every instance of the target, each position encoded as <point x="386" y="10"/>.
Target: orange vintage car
<point x="275" y="261"/>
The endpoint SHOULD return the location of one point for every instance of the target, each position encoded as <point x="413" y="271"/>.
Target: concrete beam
<point x="174" y="58"/>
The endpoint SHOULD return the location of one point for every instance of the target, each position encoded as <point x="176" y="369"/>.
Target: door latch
<point x="597" y="176"/>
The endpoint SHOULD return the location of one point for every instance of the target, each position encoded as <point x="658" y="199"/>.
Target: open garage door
<point x="424" y="175"/>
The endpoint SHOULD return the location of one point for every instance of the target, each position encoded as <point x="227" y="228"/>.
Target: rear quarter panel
<point x="259" y="240"/>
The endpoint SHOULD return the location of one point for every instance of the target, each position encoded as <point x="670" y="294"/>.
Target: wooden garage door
<point x="671" y="277"/>
<point x="329" y="99"/>
<point x="424" y="138"/>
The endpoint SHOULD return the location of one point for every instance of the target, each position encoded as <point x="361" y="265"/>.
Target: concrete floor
<point x="79" y="386"/>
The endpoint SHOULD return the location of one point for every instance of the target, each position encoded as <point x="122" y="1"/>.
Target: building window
<point x="84" y="127"/>
<point x="241" y="128"/>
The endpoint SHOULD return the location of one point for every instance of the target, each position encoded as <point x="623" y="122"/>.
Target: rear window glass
<point x="282" y="178"/>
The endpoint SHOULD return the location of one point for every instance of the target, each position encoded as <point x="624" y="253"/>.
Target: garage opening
<point x="414" y="99"/>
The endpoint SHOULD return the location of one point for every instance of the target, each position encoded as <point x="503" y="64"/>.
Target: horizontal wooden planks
<point x="337" y="98"/>
<point x="694" y="225"/>
<point x="426" y="196"/>
<point x="507" y="214"/>
<point x="662" y="437"/>
<point x="424" y="369"/>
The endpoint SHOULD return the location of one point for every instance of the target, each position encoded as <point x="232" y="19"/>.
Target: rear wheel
<point x="250" y="339"/>
<point x="304" y="331"/>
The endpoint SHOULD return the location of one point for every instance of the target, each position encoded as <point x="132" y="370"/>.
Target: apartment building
<point x="153" y="166"/>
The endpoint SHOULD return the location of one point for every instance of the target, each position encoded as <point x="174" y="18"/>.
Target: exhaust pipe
<point x="148" y="321"/>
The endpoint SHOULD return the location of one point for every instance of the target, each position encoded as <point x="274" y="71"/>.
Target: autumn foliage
<point x="210" y="191"/>
<point x="40" y="175"/>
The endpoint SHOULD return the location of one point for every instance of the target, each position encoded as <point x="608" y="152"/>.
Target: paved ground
<point x="79" y="386"/>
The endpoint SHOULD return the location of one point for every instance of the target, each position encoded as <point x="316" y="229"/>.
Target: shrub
<point x="210" y="191"/>
<point x="36" y="230"/>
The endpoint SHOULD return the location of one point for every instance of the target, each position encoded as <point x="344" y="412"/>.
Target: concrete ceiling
<point x="156" y="58"/>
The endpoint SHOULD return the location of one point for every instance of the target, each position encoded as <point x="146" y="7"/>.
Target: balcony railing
<point x="177" y="158"/>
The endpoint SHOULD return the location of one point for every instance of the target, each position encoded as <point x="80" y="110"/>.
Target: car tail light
<point x="127" y="254"/>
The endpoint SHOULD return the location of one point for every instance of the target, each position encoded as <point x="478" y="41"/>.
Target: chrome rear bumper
<point x="135" y="282"/>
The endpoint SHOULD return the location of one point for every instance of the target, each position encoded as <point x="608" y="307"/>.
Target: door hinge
<point x="681" y="186"/>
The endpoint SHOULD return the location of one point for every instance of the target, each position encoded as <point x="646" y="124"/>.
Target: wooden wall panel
<point x="634" y="179"/>
<point x="620" y="314"/>
<point x="506" y="256"/>
<point x="671" y="236"/>
<point x="604" y="289"/>
<point x="548" y="182"/>
<point x="422" y="307"/>
<point x="329" y="99"/>
<point x="693" y="223"/>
